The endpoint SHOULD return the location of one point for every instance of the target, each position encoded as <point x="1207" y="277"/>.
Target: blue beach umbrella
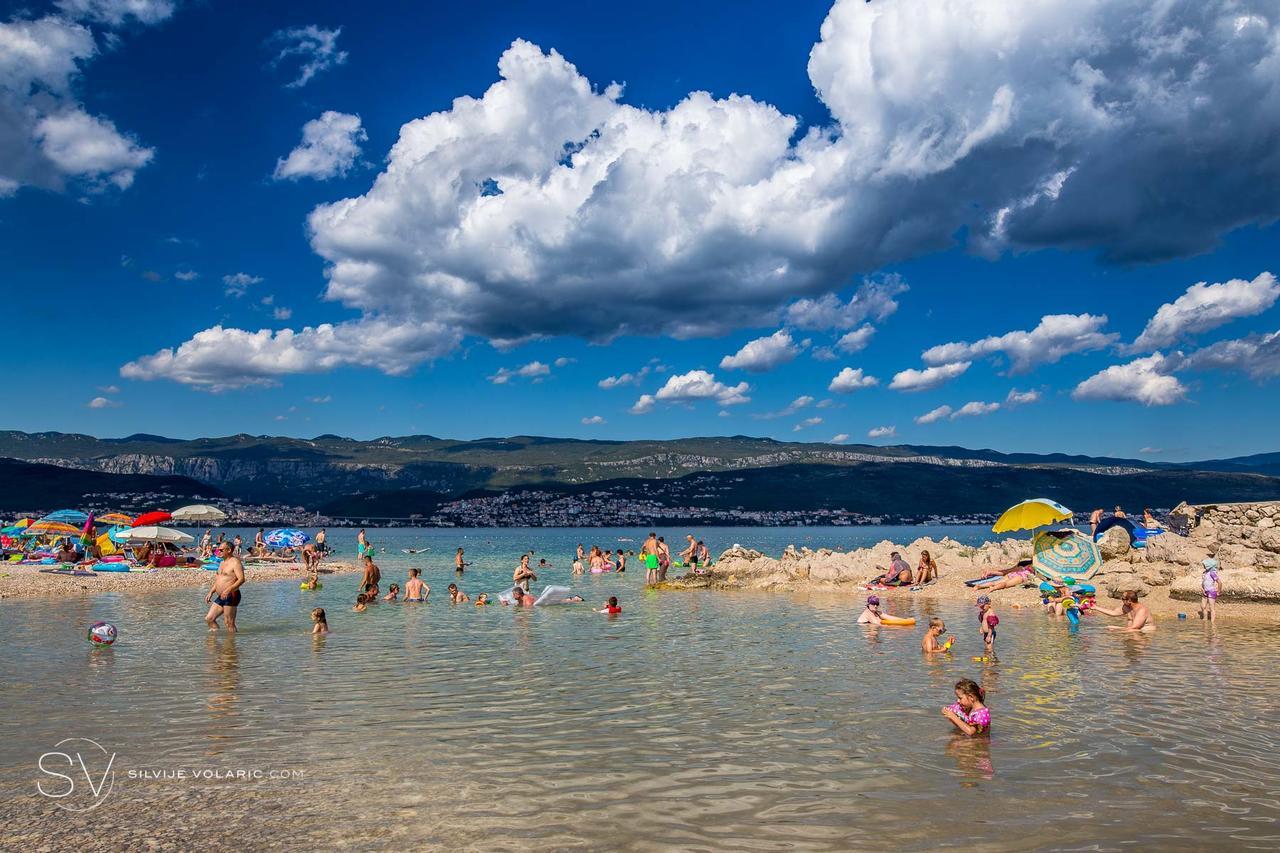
<point x="286" y="537"/>
<point x="1063" y="554"/>
<point x="68" y="516"/>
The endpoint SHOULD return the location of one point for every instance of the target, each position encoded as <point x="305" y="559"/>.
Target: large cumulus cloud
<point x="550" y="206"/>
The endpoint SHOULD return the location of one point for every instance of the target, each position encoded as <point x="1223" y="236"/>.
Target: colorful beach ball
<point x="102" y="633"/>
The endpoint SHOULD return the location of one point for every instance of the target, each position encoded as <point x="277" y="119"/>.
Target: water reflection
<point x="223" y="686"/>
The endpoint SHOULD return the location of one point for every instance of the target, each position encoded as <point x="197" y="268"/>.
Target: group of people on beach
<point x="899" y="572"/>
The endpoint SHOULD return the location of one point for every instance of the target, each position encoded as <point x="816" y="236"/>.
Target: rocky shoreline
<point x="1165" y="574"/>
<point x="18" y="581"/>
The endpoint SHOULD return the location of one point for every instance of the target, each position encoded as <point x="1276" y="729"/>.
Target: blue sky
<point x="929" y="180"/>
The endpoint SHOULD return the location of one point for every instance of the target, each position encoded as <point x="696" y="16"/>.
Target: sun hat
<point x="1209" y="564"/>
<point x="873" y="599"/>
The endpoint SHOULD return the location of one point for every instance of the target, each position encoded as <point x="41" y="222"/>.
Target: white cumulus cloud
<point x="839" y="438"/>
<point x="594" y="420"/>
<point x="934" y="415"/>
<point x="1207" y="306"/>
<point x="1021" y="398"/>
<point x="857" y="340"/>
<point x="219" y="359"/>
<point x="930" y="377"/>
<point x="1133" y="130"/>
<point x="533" y="370"/>
<point x="329" y="148"/>
<point x="806" y="423"/>
<point x="116" y="12"/>
<point x="1143" y="380"/>
<point x="102" y="403"/>
<point x="882" y="432"/>
<point x="624" y="379"/>
<point x="237" y="283"/>
<point x="974" y="409"/>
<point x="851" y="379"/>
<point x="763" y="354"/>
<point x="801" y="402"/>
<point x="1056" y="336"/>
<point x="694" y="386"/>
<point x="1257" y="356"/>
<point x="873" y="300"/>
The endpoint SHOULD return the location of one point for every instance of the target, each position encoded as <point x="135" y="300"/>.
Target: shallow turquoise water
<point x="695" y="720"/>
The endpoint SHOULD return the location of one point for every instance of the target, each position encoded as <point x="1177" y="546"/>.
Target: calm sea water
<point x="695" y="720"/>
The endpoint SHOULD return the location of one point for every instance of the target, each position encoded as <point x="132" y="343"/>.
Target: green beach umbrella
<point x="1062" y="554"/>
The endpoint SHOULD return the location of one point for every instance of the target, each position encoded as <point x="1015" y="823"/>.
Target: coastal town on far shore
<point x="526" y="508"/>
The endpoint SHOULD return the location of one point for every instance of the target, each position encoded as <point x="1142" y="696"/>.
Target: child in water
<point x="987" y="622"/>
<point x="611" y="606"/>
<point x="361" y="603"/>
<point x="415" y="589"/>
<point x="321" y="626"/>
<point x="968" y="713"/>
<point x="1210" y="586"/>
<point x="482" y="599"/>
<point x="931" y="643"/>
<point x="393" y="592"/>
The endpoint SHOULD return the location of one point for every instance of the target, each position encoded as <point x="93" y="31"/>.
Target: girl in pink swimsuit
<point x="968" y="713"/>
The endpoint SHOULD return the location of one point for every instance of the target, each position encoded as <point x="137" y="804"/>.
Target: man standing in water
<point x="1094" y="520"/>
<point x="224" y="598"/>
<point x="372" y="575"/>
<point x="459" y="564"/>
<point x="649" y="555"/>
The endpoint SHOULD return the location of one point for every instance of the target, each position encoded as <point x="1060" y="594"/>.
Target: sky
<point x="1047" y="226"/>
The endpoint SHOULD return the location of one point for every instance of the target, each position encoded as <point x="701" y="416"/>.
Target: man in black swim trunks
<point x="224" y="598"/>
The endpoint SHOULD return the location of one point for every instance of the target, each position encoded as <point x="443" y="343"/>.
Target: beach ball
<point x="102" y="633"/>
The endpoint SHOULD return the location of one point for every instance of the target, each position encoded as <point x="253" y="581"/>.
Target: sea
<point x="694" y="720"/>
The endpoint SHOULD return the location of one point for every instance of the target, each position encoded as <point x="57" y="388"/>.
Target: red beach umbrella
<point x="158" y="516"/>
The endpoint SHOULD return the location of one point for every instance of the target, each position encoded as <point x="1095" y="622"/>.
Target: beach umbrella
<point x="286" y="537"/>
<point x="1062" y="554"/>
<point x="148" y="519"/>
<point x="1031" y="514"/>
<point x="115" y="518"/>
<point x="119" y="535"/>
<point x="67" y="516"/>
<point x="199" y="514"/>
<point x="88" y="533"/>
<point x="151" y="533"/>
<point x="44" y="527"/>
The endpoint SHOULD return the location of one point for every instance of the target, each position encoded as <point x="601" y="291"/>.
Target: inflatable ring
<point x="1069" y="603"/>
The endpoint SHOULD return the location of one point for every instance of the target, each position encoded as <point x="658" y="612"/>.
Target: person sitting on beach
<point x="372" y="575"/>
<point x="321" y="625"/>
<point x="968" y="713"/>
<point x="927" y="571"/>
<point x="362" y="603"/>
<point x="457" y="596"/>
<point x="871" y="613"/>
<point x="67" y="553"/>
<point x="1010" y="578"/>
<point x="899" y="573"/>
<point x="482" y="599"/>
<point x="1138" y="616"/>
<point x="415" y="589"/>
<point x="611" y="606"/>
<point x="523" y="575"/>
<point x="1149" y="520"/>
<point x="162" y="559"/>
<point x="987" y="622"/>
<point x="393" y="592"/>
<point x="931" y="642"/>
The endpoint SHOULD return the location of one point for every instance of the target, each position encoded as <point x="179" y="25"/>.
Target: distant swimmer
<point x="224" y="597"/>
<point x="459" y="565"/>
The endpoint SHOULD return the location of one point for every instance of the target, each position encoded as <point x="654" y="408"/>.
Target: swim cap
<point x="873" y="599"/>
<point x="984" y="599"/>
<point x="1210" y="564"/>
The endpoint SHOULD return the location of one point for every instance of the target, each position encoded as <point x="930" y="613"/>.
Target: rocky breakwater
<point x="825" y="568"/>
<point x="1244" y="538"/>
<point x="1166" y="570"/>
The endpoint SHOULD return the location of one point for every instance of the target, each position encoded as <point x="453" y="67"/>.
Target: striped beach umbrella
<point x="1062" y="555"/>
<point x="286" y="537"/>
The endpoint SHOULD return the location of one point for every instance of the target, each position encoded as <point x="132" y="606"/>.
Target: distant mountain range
<point x="26" y="486"/>
<point x="393" y="473"/>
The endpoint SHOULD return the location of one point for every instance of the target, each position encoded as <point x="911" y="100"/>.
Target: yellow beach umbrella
<point x="1031" y="514"/>
<point x="51" y="528"/>
<point x="114" y="518"/>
